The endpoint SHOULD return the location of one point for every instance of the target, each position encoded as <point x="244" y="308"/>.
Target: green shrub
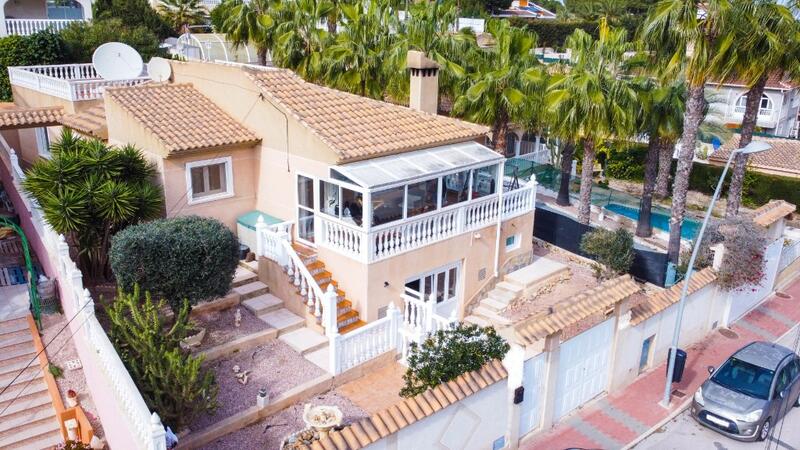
<point x="626" y="163"/>
<point x="39" y="48"/>
<point x="132" y="14"/>
<point x="613" y="251"/>
<point x="445" y="355"/>
<point x="553" y="33"/>
<point x="82" y="38"/>
<point x="180" y="258"/>
<point x="170" y="380"/>
<point x="759" y="188"/>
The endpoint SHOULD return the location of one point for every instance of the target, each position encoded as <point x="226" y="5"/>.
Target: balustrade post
<point x="329" y="311"/>
<point x="157" y="433"/>
<point x="394" y="325"/>
<point x="260" y="228"/>
<point x="430" y="308"/>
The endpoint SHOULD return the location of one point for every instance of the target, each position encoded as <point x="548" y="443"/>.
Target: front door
<point x="305" y="209"/>
<point x="439" y="285"/>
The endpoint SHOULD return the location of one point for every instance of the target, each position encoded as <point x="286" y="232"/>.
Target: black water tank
<point x="680" y="363"/>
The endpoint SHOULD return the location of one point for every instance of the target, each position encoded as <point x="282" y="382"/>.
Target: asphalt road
<point x="684" y="433"/>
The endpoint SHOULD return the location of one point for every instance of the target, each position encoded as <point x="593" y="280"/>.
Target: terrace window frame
<point x="228" y="192"/>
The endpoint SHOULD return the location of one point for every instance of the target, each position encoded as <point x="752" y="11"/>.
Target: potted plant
<point x="72" y="398"/>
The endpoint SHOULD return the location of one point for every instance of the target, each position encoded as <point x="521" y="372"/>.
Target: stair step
<point x="16" y="366"/>
<point x="30" y="373"/>
<point x="32" y="435"/>
<point x="479" y="321"/>
<point x="19" y="337"/>
<point x="23" y="404"/>
<point x="250" y="290"/>
<point x="262" y="304"/>
<point x="346" y="316"/>
<point x="252" y="266"/>
<point x="319" y="358"/>
<point x="15" y="355"/>
<point x="304" y="340"/>
<point x="243" y="276"/>
<point x="43" y="441"/>
<point x="343" y="307"/>
<point x="19" y="391"/>
<point x="27" y="417"/>
<point x="13" y="326"/>
<point x="510" y="287"/>
<point x="501" y="296"/>
<point x="493" y="304"/>
<point x="348" y="328"/>
<point x="282" y="320"/>
<point x="491" y="315"/>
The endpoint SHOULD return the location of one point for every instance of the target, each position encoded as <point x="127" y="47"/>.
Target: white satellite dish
<point x="117" y="61"/>
<point x="159" y="69"/>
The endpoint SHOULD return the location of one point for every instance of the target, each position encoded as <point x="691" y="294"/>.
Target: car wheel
<point x="765" y="429"/>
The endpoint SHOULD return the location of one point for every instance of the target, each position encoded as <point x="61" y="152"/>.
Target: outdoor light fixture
<point x="749" y="149"/>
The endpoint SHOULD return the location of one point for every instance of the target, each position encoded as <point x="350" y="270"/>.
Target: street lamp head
<point x="754" y="147"/>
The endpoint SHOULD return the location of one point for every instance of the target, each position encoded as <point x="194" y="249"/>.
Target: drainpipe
<point x="501" y="178"/>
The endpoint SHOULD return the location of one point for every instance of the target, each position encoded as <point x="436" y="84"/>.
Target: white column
<point x="514" y="362"/>
<point x="157" y="432"/>
<point x="260" y="227"/>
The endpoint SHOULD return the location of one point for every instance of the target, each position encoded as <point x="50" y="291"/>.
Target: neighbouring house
<point x="527" y="10"/>
<point x="24" y="17"/>
<point x="782" y="159"/>
<point x="778" y="110"/>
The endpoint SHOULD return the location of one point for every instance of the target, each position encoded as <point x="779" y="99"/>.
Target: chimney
<point x="424" y="82"/>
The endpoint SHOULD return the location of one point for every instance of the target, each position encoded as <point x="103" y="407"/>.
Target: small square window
<point x="513" y="242"/>
<point x="209" y="180"/>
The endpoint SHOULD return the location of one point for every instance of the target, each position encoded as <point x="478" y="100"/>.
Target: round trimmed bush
<point x="180" y="258"/>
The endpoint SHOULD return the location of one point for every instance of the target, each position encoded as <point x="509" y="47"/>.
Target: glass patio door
<point x="440" y="285"/>
<point x="305" y="209"/>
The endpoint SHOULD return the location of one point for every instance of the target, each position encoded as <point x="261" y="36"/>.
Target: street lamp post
<point x="753" y="147"/>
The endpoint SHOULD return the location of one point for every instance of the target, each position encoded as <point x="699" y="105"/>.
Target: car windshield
<point x="745" y="378"/>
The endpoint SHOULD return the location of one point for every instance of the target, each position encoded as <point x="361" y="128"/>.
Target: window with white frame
<point x="513" y="242"/>
<point x="765" y="107"/>
<point x="210" y="179"/>
<point x="42" y="141"/>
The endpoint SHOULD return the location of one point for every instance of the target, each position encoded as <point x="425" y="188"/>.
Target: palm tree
<point x="753" y="57"/>
<point x="503" y="77"/>
<point x="593" y="102"/>
<point x="182" y="13"/>
<point x="682" y="35"/>
<point x="357" y="60"/>
<point x="250" y="22"/>
<point x="300" y="40"/>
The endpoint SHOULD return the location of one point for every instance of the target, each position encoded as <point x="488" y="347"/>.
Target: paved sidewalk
<point x="618" y="419"/>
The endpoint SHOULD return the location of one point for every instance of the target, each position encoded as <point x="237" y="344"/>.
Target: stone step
<point x="540" y="271"/>
<point x="282" y="320"/>
<point x="319" y="358"/>
<point x="21" y="406"/>
<point x="252" y="266"/>
<point x="343" y="307"/>
<point x="479" y="321"/>
<point x="342" y="320"/>
<point x="250" y="290"/>
<point x="17" y="354"/>
<point x="20" y="337"/>
<point x="28" y="374"/>
<point x="493" y="304"/>
<point x="501" y="296"/>
<point x="27" y="417"/>
<point x="352" y="326"/>
<point x="20" y="391"/>
<point x="28" y="436"/>
<point x="491" y="315"/>
<point x="243" y="276"/>
<point x="262" y="304"/>
<point x="304" y="340"/>
<point x="43" y="441"/>
<point x="13" y="326"/>
<point x="17" y="366"/>
<point x="509" y="287"/>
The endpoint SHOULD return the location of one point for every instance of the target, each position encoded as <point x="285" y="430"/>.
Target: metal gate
<point x="533" y="379"/>
<point x="583" y="367"/>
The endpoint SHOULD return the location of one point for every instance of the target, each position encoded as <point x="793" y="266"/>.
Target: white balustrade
<point x="789" y="254"/>
<point x="420" y="319"/>
<point x="342" y="237"/>
<point x="365" y="343"/>
<point x="25" y="27"/>
<point x="74" y="82"/>
<point x="398" y="238"/>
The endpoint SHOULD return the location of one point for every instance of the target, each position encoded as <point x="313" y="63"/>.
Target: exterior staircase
<point x="27" y="418"/>
<point x="347" y="319"/>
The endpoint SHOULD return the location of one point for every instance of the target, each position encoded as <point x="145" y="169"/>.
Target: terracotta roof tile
<point x="776" y="80"/>
<point x="669" y="297"/>
<point x="357" y="127"/>
<point x="456" y="389"/>
<point x="180" y="117"/>
<point x="773" y="211"/>
<point x="584" y="305"/>
<point x="363" y="433"/>
<point x="13" y="117"/>
<point x="784" y="156"/>
<point x="91" y="122"/>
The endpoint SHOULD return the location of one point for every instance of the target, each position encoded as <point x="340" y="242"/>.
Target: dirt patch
<point x="270" y="432"/>
<point x="221" y="328"/>
<point x="274" y="366"/>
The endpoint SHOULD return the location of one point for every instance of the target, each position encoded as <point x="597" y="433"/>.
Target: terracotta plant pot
<point x="72" y="398"/>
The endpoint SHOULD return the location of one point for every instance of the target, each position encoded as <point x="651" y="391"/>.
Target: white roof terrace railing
<point x="74" y="82"/>
<point x="25" y="27"/>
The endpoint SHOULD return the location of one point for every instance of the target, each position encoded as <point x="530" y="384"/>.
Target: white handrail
<point x="74" y="82"/>
<point x="365" y="343"/>
<point x="303" y="280"/>
<point x="25" y="27"/>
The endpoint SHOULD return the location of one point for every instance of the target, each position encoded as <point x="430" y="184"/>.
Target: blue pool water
<point x="659" y="220"/>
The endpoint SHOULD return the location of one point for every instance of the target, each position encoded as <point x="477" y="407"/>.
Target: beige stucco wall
<point x="34" y="99"/>
<point x="364" y="284"/>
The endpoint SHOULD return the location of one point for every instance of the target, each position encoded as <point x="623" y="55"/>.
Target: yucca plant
<point x="88" y="191"/>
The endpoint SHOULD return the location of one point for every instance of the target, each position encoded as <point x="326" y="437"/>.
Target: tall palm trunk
<point x="665" y="153"/>
<point x="500" y="131"/>
<point x="749" y="120"/>
<point x="587" y="172"/>
<point x="262" y="56"/>
<point x="644" y="228"/>
<point x="567" y="153"/>
<point x="695" y="103"/>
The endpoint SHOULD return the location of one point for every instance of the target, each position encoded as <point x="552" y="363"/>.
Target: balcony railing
<point x="393" y="239"/>
<point x="74" y="82"/>
<point x="762" y="112"/>
<point x="25" y="27"/>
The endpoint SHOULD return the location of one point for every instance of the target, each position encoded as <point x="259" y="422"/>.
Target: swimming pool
<point x="659" y="220"/>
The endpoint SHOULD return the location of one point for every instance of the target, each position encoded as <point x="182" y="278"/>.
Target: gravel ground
<point x="220" y="327"/>
<point x="273" y="365"/>
<point x="59" y="352"/>
<point x="270" y="432"/>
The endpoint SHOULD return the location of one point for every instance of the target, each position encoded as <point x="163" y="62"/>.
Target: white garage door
<point x="531" y="408"/>
<point x="583" y="367"/>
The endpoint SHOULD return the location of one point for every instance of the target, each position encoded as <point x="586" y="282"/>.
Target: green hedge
<point x="553" y="33"/>
<point x="39" y="48"/>
<point x="626" y="163"/>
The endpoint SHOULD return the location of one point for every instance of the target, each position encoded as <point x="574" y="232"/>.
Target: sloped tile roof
<point x="357" y="127"/>
<point x="770" y="213"/>
<point x="13" y="117"/>
<point x="776" y="80"/>
<point x="180" y="117"/>
<point x="91" y="122"/>
<point x="404" y="413"/>
<point x="669" y="297"/>
<point x="584" y="305"/>
<point x="784" y="156"/>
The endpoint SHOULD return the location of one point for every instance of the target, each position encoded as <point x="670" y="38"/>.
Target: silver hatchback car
<point x="750" y="392"/>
